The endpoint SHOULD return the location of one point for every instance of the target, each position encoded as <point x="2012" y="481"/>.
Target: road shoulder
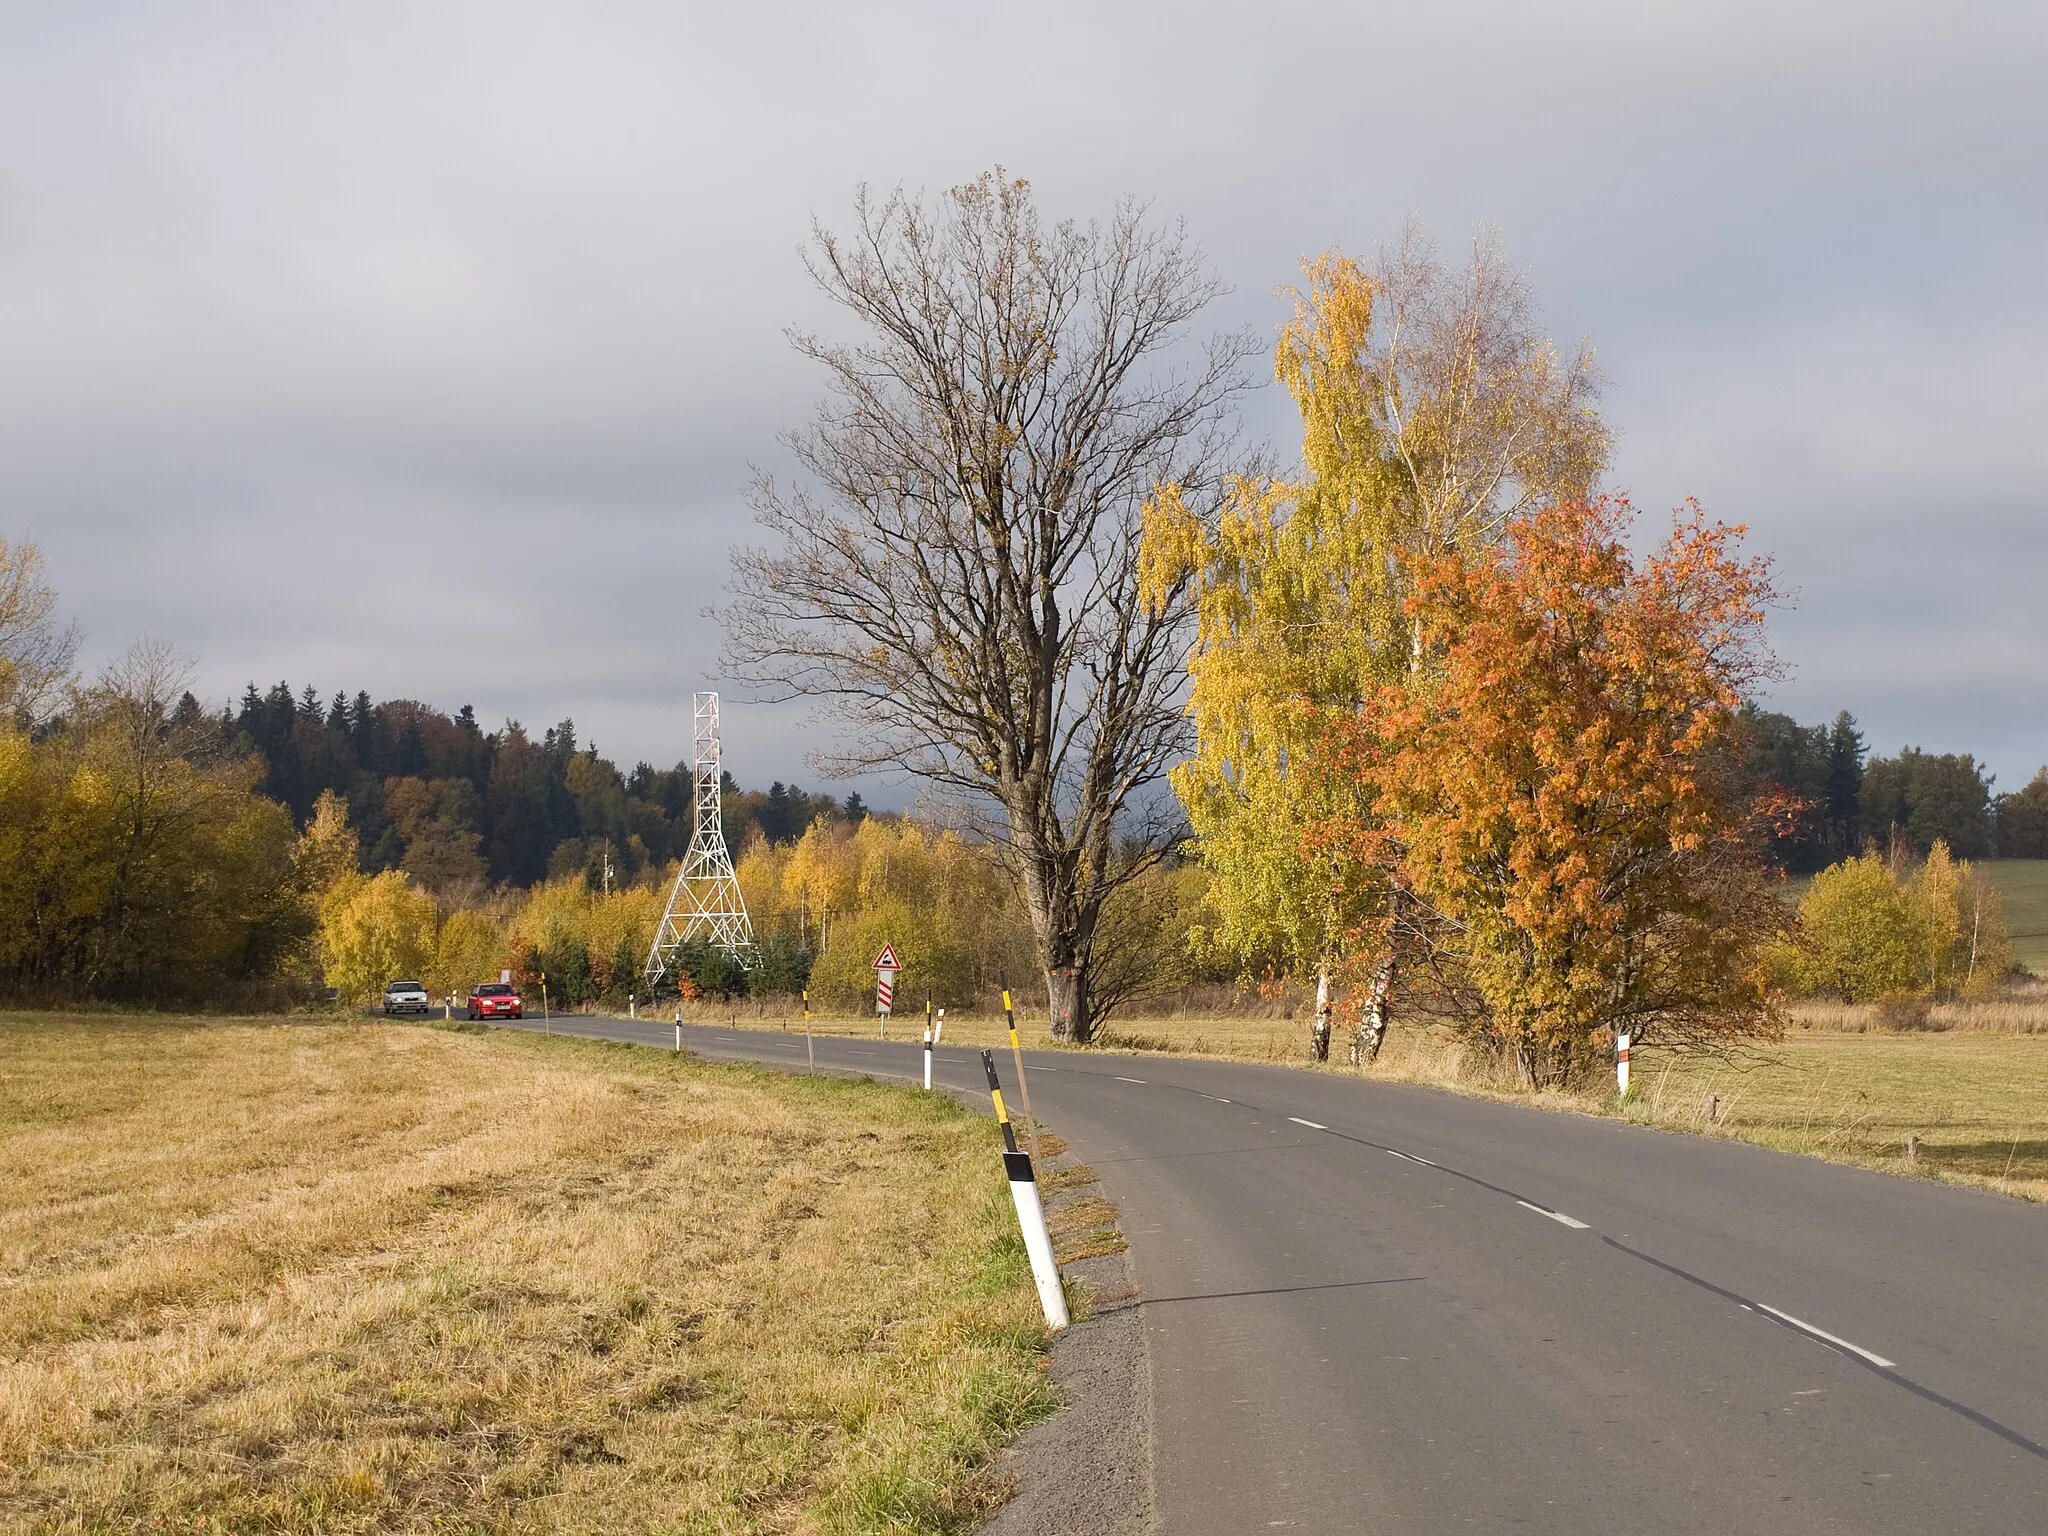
<point x="1087" y="1470"/>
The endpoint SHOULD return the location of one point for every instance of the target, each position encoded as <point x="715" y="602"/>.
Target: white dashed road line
<point x="1822" y="1333"/>
<point x="1138" y="1080"/>
<point x="1309" y="1123"/>
<point x="1558" y="1216"/>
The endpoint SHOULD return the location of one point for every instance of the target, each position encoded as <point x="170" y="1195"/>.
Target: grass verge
<point x="359" y="1277"/>
<point x="1974" y="1105"/>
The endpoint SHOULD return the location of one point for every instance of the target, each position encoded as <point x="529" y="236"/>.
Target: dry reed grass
<point x="2025" y="1014"/>
<point x="356" y="1277"/>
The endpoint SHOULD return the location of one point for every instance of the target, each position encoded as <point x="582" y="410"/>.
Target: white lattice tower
<point x="706" y="897"/>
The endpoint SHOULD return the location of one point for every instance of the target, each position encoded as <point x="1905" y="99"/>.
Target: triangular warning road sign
<point x="886" y="960"/>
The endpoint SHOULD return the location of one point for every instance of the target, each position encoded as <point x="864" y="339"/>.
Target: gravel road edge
<point x="1087" y="1470"/>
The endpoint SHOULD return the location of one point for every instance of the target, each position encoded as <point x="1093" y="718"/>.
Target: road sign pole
<point x="886" y="967"/>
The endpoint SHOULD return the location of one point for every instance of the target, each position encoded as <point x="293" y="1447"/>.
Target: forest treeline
<point x="436" y="795"/>
<point x="452" y="804"/>
<point x="822" y="908"/>
<point x="1840" y="801"/>
<point x="167" y="853"/>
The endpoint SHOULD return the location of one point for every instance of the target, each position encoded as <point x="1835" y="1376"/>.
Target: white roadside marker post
<point x="632" y="1006"/>
<point x="927" y="1042"/>
<point x="1045" y="1270"/>
<point x="939" y="1029"/>
<point x="810" y="1050"/>
<point x="1621" y="1064"/>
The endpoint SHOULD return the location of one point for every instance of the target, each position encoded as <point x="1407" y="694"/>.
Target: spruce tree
<point x="1845" y="783"/>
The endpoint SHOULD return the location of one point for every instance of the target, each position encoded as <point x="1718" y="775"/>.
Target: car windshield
<point x="494" y="989"/>
<point x="405" y="986"/>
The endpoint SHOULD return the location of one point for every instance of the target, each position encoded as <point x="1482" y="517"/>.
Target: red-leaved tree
<point x="1551" y="776"/>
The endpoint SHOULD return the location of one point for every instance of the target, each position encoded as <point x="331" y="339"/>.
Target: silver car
<point x="405" y="997"/>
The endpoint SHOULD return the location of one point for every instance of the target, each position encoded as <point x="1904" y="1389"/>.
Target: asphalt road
<point x="1376" y="1308"/>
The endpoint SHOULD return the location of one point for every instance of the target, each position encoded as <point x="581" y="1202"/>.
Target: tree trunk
<point x="1372" y="1024"/>
<point x="1319" y="1031"/>
<point x="1066" y="992"/>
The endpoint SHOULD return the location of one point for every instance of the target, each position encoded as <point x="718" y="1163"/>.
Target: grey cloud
<point x="494" y="296"/>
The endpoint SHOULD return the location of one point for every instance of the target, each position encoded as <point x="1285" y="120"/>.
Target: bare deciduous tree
<point x="35" y="653"/>
<point x="958" y="580"/>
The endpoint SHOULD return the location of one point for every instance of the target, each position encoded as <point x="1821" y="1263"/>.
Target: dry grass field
<point x="1969" y="1083"/>
<point x="1974" y="1103"/>
<point x="356" y="1277"/>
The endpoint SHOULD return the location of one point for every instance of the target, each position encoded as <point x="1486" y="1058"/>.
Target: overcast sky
<point x="425" y="348"/>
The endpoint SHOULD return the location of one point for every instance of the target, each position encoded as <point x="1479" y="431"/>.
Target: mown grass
<point x="1975" y="1104"/>
<point x="363" y="1277"/>
<point x="2023" y="883"/>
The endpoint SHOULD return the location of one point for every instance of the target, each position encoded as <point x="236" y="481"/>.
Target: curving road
<point x="1377" y="1308"/>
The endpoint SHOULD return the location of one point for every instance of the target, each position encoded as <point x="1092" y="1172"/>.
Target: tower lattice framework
<point x="705" y="899"/>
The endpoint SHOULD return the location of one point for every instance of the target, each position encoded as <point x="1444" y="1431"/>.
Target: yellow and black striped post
<point x="1045" y="1271"/>
<point x="1023" y="1083"/>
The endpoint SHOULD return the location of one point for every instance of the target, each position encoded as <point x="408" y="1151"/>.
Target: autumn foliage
<point x="1550" y="774"/>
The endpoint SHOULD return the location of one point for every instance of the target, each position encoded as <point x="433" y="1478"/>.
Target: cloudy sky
<point x="425" y="348"/>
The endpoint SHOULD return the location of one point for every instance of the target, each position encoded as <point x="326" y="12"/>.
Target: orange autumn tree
<point x="1553" y="780"/>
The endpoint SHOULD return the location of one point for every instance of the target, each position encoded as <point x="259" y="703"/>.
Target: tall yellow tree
<point x="375" y="931"/>
<point x="1866" y="931"/>
<point x="1433" y="411"/>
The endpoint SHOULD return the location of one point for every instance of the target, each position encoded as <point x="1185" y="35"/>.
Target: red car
<point x="495" y="1000"/>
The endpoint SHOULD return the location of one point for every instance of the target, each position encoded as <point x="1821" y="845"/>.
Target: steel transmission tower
<point x="705" y="899"/>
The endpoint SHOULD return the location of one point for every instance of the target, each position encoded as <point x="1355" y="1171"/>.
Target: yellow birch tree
<point x="1433" y="411"/>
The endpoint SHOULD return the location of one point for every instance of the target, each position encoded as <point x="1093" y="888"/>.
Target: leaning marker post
<point x="1023" y="1083"/>
<point x="1030" y="1209"/>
